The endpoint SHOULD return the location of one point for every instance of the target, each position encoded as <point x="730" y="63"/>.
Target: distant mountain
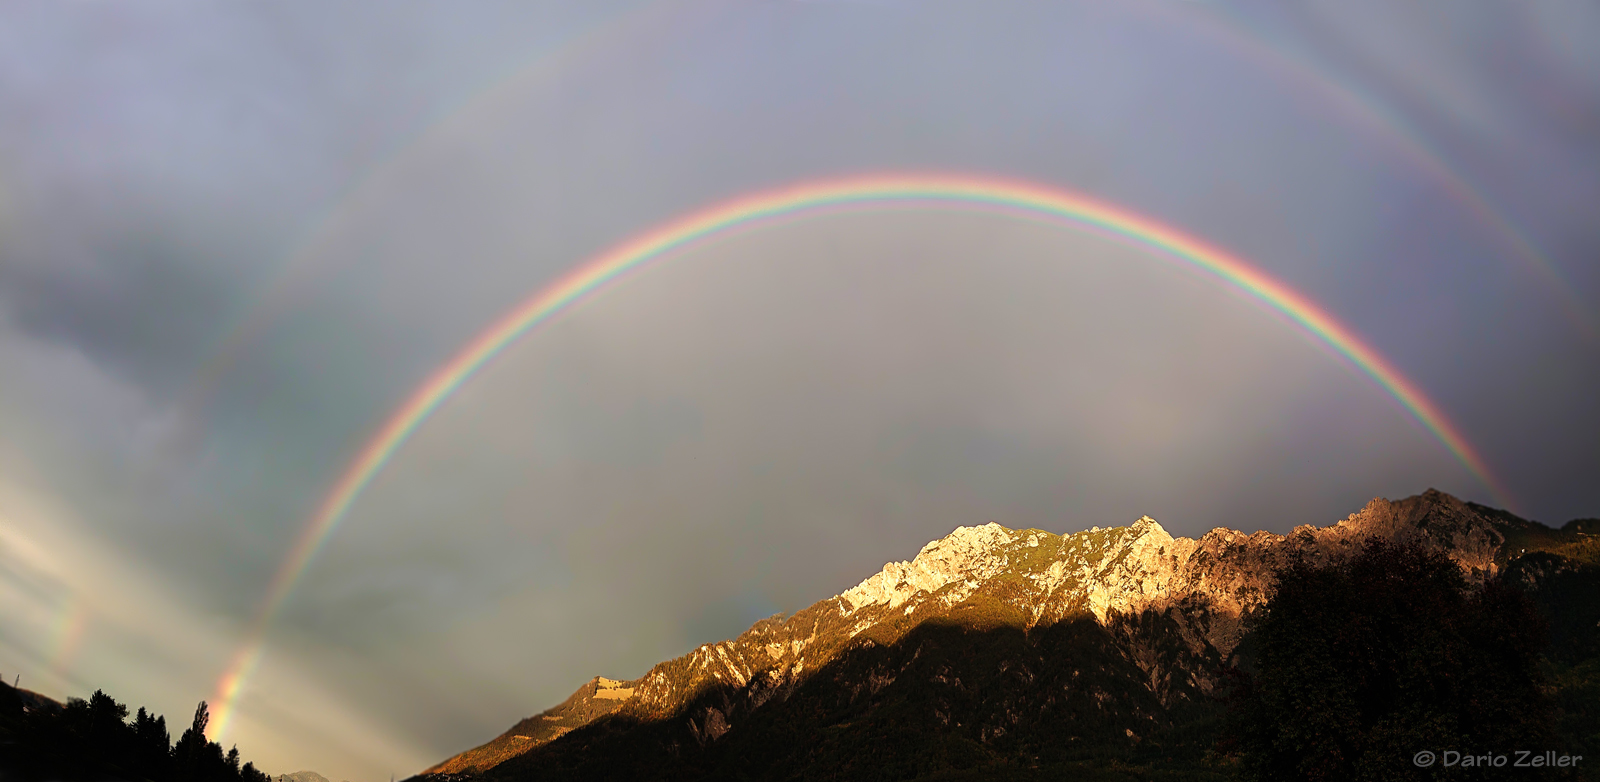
<point x="300" y="776"/>
<point x="1005" y="648"/>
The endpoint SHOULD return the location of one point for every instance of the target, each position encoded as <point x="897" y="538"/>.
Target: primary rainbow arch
<point x="904" y="191"/>
<point x="1229" y="32"/>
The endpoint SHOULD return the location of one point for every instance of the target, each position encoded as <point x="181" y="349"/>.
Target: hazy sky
<point x="234" y="237"/>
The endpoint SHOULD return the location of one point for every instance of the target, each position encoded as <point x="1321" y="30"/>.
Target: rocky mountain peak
<point x="967" y="554"/>
<point x="1148" y="527"/>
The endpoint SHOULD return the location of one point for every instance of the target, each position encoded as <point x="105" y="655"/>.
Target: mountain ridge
<point x="1198" y="590"/>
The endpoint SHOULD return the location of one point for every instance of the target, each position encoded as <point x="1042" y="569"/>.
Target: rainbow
<point x="1362" y="108"/>
<point x="66" y="634"/>
<point x="964" y="193"/>
<point x="1227" y="30"/>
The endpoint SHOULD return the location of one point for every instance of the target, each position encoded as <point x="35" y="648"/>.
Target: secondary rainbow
<point x="1011" y="198"/>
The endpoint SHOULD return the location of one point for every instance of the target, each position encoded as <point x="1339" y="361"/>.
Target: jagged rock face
<point x="1172" y="608"/>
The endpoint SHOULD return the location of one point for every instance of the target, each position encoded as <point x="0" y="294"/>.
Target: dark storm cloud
<point x="140" y="303"/>
<point x="159" y="163"/>
<point x="157" y="167"/>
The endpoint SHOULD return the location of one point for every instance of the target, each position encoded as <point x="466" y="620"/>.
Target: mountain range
<point x="994" y="652"/>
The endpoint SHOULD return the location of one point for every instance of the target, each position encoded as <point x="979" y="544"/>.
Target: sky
<point x="235" y="238"/>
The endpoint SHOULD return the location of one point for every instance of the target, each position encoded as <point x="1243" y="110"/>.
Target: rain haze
<point x="235" y="239"/>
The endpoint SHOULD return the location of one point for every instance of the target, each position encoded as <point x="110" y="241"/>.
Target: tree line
<point x="94" y="739"/>
<point x="1373" y="669"/>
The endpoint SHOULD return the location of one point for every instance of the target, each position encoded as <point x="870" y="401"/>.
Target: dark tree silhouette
<point x="152" y="746"/>
<point x="1363" y="664"/>
<point x="94" y="740"/>
<point x="189" y="754"/>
